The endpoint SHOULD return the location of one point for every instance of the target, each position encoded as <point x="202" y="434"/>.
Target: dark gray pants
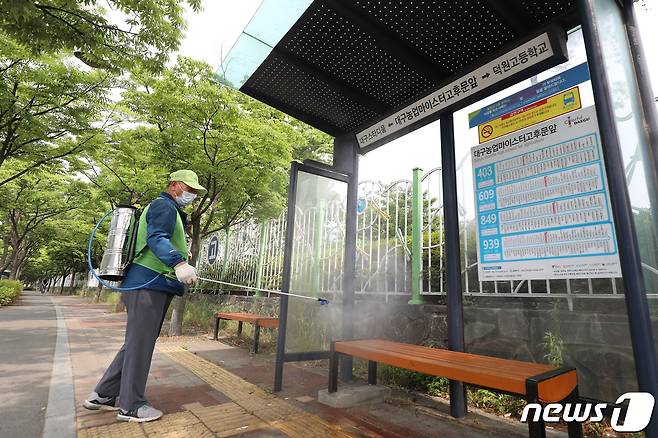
<point x="127" y="374"/>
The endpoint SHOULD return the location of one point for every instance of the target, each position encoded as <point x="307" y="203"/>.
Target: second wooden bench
<point x="257" y="320"/>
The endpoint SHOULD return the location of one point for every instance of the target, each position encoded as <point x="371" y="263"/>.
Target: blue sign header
<point x="541" y="90"/>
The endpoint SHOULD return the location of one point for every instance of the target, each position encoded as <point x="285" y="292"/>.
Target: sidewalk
<point x="208" y="388"/>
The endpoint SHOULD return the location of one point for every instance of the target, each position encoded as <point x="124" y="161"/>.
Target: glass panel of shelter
<point x="316" y="263"/>
<point x="579" y="322"/>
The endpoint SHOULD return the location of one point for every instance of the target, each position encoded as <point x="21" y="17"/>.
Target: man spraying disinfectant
<point x="160" y="263"/>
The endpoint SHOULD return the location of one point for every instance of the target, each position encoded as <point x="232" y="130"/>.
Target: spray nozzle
<point x="323" y="301"/>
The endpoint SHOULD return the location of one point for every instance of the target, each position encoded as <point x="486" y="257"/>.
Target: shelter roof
<point x="342" y="65"/>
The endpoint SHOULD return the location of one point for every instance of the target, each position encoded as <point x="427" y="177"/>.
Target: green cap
<point x="188" y="177"/>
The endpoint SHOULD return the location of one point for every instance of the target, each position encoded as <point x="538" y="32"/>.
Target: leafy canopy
<point x="109" y="34"/>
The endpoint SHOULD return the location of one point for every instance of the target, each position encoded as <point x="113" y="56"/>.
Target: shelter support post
<point x="646" y="363"/>
<point x="453" y="258"/>
<point x="285" y="279"/>
<point x="650" y="116"/>
<point x="346" y="160"/>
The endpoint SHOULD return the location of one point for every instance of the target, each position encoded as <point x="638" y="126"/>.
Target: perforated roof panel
<point x="347" y="63"/>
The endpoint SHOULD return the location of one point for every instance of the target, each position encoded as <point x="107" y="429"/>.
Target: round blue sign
<point x="361" y="205"/>
<point x="213" y="246"/>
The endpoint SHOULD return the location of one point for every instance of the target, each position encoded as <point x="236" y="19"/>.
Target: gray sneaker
<point x="97" y="403"/>
<point x="140" y="415"/>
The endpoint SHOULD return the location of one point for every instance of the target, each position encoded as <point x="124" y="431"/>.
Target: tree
<point x="112" y="34"/>
<point x="125" y="169"/>
<point x="240" y="155"/>
<point x="48" y="109"/>
<point x="28" y="204"/>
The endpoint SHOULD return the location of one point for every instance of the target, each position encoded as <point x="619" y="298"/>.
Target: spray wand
<point x="322" y="301"/>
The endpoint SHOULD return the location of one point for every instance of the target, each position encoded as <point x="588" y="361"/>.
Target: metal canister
<point x="120" y="243"/>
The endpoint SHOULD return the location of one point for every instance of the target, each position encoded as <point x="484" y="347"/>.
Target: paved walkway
<point x="27" y="339"/>
<point x="204" y="387"/>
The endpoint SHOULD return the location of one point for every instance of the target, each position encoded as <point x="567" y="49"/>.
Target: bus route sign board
<point x="490" y="76"/>
<point x="542" y="203"/>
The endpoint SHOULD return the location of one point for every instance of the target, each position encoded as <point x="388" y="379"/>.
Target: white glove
<point x="185" y="273"/>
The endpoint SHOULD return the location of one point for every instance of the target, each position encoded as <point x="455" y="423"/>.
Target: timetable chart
<point x="542" y="203"/>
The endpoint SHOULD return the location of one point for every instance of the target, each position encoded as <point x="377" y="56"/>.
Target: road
<point x="28" y="333"/>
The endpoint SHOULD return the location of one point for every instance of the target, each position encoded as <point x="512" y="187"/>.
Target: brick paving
<point x="210" y="389"/>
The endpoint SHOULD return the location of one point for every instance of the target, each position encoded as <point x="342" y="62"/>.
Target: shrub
<point x="9" y="291"/>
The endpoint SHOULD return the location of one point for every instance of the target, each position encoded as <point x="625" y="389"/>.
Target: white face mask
<point x="186" y="198"/>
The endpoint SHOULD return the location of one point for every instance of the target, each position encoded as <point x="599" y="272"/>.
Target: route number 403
<point x="485" y="172"/>
<point x="490" y="244"/>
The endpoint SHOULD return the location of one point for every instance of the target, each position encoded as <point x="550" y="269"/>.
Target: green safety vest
<point x="145" y="257"/>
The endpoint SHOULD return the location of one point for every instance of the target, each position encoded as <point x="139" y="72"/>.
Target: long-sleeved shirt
<point x="160" y="220"/>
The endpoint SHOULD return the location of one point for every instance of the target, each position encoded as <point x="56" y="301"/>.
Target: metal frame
<point x="453" y="258"/>
<point x="281" y="355"/>
<point x="538" y="429"/>
<point x="639" y="321"/>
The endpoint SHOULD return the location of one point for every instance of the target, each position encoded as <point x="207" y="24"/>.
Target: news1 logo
<point x="638" y="412"/>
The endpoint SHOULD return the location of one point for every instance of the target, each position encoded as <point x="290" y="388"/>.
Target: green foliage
<point x="199" y="312"/>
<point x="111" y="34"/>
<point x="10" y="290"/>
<point x="439" y="386"/>
<point x="411" y="380"/>
<point x="48" y="110"/>
<point x="554" y="344"/>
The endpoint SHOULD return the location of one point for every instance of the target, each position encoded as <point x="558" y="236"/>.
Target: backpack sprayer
<point x="120" y="252"/>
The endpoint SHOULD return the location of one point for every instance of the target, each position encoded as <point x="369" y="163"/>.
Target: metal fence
<point x="394" y="258"/>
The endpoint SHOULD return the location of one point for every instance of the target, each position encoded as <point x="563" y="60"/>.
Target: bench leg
<point x="372" y="372"/>
<point x="536" y="429"/>
<point x="333" y="370"/>
<point x="575" y="428"/>
<point x="256" y="337"/>
<point x="239" y="328"/>
<point x="217" y="320"/>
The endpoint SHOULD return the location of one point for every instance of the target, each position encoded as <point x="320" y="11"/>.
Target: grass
<point x="10" y="290"/>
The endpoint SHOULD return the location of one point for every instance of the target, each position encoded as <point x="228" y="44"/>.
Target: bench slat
<point x="495" y="373"/>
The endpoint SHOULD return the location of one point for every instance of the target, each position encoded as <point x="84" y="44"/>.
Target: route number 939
<point x="490" y="244"/>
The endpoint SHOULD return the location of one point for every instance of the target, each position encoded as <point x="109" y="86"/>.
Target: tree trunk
<point x="73" y="280"/>
<point x="97" y="296"/>
<point x="15" y="265"/>
<point x="176" y="324"/>
<point x="61" y="288"/>
<point x="5" y="253"/>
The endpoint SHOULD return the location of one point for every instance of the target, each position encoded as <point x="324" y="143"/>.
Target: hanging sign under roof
<point x="491" y="77"/>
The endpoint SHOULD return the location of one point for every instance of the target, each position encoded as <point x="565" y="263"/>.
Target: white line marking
<point x="60" y="414"/>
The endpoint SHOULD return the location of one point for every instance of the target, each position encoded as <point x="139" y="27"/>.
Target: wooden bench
<point x="538" y="383"/>
<point x="257" y="320"/>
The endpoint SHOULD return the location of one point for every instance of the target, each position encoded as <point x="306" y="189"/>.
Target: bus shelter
<point x="369" y="72"/>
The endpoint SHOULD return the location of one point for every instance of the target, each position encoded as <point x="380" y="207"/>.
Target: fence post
<point x="261" y="255"/>
<point x="416" y="238"/>
<point x="318" y="227"/>
<point x="225" y="261"/>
